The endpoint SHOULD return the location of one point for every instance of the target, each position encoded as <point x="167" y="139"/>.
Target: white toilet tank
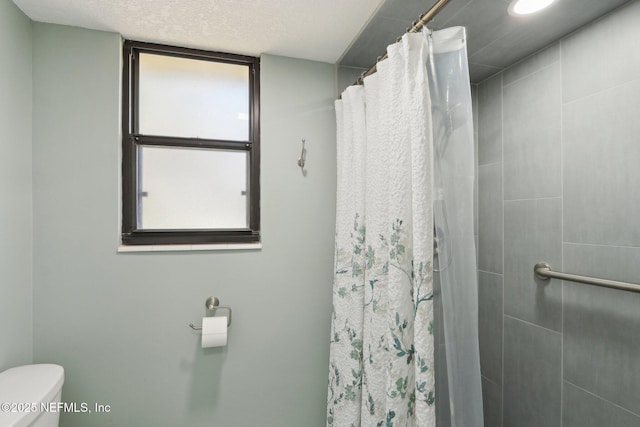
<point x="26" y="393"/>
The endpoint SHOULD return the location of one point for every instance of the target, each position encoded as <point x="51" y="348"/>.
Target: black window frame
<point x="132" y="139"/>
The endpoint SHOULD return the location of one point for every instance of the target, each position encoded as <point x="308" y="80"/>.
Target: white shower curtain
<point x="382" y="370"/>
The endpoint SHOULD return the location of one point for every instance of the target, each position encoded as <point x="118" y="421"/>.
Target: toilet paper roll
<point x="214" y="331"/>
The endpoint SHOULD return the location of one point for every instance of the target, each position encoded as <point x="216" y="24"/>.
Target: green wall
<point x="16" y="236"/>
<point x="118" y="322"/>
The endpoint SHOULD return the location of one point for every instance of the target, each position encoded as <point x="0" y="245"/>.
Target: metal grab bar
<point x="543" y="271"/>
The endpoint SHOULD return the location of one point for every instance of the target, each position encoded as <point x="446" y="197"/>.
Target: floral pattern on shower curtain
<point x="382" y="358"/>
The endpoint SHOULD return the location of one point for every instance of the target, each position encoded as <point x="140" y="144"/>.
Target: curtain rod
<point x="416" y="27"/>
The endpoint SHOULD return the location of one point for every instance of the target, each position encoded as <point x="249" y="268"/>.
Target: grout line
<point x="598" y="92"/>
<point x="562" y="285"/>
<point x="476" y="190"/>
<point x="503" y="251"/>
<point x="489" y="272"/>
<point x="602" y="398"/>
<point x="532" y="324"/>
<point x="488" y="164"/>
<point x="533" y="73"/>
<point x="490" y="380"/>
<point x="535" y="198"/>
<point x="600" y="245"/>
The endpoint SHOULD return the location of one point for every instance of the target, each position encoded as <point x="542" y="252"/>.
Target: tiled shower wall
<point x="559" y="181"/>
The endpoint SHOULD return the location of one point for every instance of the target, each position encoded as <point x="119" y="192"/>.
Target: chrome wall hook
<point x="303" y="155"/>
<point x="211" y="305"/>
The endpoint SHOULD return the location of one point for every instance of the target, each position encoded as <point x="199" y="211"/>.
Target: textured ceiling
<point x="495" y="39"/>
<point x="308" y="29"/>
<point x="353" y="32"/>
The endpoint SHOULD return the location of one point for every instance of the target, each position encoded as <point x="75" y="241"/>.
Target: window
<point x="190" y="146"/>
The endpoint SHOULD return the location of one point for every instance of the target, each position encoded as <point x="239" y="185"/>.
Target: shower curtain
<point x="397" y="173"/>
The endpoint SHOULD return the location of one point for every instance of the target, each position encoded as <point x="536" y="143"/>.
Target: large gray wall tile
<point x="601" y="173"/>
<point x="443" y="409"/>
<point x="347" y="76"/>
<point x="490" y="120"/>
<point x="602" y="326"/>
<point x="602" y="56"/>
<point x="500" y="52"/>
<point x="481" y="72"/>
<point x="440" y="355"/>
<point x="609" y="262"/>
<point x="532" y="112"/>
<point x="484" y="23"/>
<point x="583" y="409"/>
<point x="379" y="33"/>
<point x="491" y="403"/>
<point x="474" y="106"/>
<point x="531" y="375"/>
<point x="532" y="233"/>
<point x="533" y="63"/>
<point x="438" y="319"/>
<point x="490" y="218"/>
<point x="444" y="18"/>
<point x="410" y="10"/>
<point x="531" y="33"/>
<point x="490" y="325"/>
<point x="590" y="198"/>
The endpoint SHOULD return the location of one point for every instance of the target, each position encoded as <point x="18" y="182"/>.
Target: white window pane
<point x="193" y="98"/>
<point x="189" y="188"/>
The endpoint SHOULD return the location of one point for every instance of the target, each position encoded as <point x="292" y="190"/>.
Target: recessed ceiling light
<point x="527" y="7"/>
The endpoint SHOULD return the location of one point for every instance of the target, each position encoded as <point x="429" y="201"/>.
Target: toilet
<point x="28" y="395"/>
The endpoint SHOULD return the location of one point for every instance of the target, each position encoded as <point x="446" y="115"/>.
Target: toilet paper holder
<point x="211" y="305"/>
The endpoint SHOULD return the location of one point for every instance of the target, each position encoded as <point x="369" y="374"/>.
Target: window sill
<point x="188" y="248"/>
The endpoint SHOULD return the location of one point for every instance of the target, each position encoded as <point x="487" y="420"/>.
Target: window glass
<point x="192" y="98"/>
<point x="189" y="188"/>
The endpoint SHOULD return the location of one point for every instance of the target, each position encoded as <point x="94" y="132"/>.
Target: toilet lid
<point x="29" y="384"/>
